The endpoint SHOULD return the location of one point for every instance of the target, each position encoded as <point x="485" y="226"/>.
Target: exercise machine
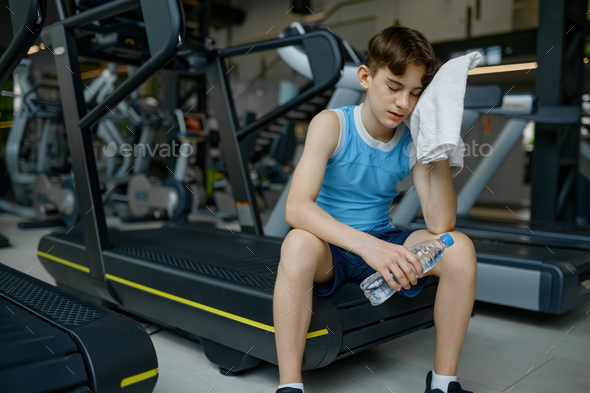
<point x="172" y="198"/>
<point x="51" y="189"/>
<point x="213" y="284"/>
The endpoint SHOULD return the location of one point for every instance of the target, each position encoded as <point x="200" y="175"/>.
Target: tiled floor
<point x="506" y="350"/>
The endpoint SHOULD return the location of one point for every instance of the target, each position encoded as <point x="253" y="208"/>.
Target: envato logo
<point x="141" y="150"/>
<point x="472" y="149"/>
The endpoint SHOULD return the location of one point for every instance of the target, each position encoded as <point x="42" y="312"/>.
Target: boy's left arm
<point x="437" y="196"/>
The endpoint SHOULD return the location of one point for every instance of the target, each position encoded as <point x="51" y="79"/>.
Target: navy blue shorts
<point x="351" y="267"/>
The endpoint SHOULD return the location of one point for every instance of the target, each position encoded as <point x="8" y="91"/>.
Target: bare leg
<point x="304" y="258"/>
<point x="457" y="272"/>
<point x="452" y="312"/>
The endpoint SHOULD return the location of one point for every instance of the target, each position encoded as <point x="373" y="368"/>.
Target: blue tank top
<point x="362" y="173"/>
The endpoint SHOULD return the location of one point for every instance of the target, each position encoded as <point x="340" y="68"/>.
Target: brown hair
<point x="397" y="47"/>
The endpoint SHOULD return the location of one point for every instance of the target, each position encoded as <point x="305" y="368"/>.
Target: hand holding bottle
<point x="378" y="289"/>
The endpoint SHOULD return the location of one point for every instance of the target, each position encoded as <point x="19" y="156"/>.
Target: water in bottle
<point x="377" y="290"/>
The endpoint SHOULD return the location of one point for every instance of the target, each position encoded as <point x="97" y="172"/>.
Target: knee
<point x="460" y="258"/>
<point x="300" y="251"/>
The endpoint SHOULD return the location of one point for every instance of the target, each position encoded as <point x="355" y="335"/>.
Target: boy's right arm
<point x="302" y="212"/>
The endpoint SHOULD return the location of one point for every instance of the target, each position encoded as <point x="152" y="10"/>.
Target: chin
<point x="391" y="123"/>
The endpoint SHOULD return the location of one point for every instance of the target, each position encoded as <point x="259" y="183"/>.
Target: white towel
<point x="435" y="122"/>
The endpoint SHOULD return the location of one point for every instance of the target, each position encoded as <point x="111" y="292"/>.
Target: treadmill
<point x="536" y="266"/>
<point x="200" y="281"/>
<point x="68" y="344"/>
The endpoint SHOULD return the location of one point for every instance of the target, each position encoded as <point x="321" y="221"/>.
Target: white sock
<point x="293" y="385"/>
<point x="441" y="381"/>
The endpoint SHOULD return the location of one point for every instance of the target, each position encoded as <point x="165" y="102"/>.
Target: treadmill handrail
<point x="555" y="114"/>
<point x="158" y="60"/>
<point x="100" y="12"/>
<point x="332" y="77"/>
<point x="326" y="59"/>
<point x="25" y="37"/>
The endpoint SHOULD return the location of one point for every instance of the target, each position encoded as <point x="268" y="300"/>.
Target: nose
<point x="403" y="100"/>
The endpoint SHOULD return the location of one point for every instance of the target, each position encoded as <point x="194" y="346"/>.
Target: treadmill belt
<point x="511" y="253"/>
<point x="519" y="232"/>
<point x="569" y="231"/>
<point x="54" y="305"/>
<point x="244" y="260"/>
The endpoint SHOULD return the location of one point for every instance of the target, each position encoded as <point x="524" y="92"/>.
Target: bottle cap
<point x="448" y="239"/>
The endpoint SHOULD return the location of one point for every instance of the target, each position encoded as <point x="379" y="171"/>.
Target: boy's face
<point x="391" y="97"/>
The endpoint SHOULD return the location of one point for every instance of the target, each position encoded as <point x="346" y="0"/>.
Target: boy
<point x="338" y="207"/>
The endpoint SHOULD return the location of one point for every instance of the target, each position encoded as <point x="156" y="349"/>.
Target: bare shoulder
<point x="323" y="132"/>
<point x="321" y="141"/>
<point x="326" y="118"/>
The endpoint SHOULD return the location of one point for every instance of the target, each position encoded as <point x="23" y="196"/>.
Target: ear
<point x="364" y="74"/>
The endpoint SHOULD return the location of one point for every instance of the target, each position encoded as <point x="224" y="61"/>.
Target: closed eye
<point x="396" y="90"/>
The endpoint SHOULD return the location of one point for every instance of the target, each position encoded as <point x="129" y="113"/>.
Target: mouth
<point x="395" y="116"/>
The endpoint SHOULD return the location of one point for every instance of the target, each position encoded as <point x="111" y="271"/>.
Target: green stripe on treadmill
<point x="179" y="299"/>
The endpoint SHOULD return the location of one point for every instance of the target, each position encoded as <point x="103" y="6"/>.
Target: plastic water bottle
<point x="377" y="290"/>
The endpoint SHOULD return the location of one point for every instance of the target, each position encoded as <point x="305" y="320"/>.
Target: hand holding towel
<point x="435" y="122"/>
